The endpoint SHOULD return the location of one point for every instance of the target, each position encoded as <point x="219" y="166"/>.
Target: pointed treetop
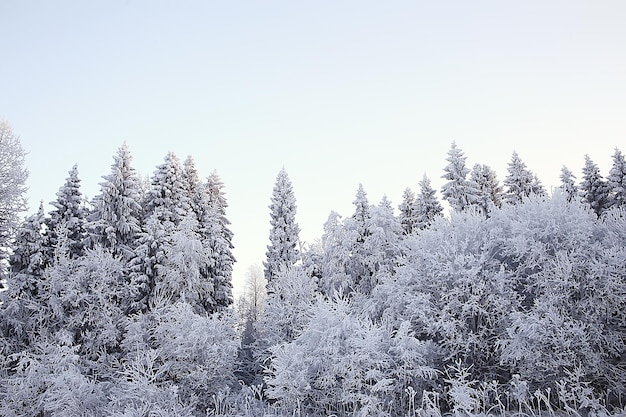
<point x="456" y="190"/>
<point x="617" y="180"/>
<point x="593" y="188"/>
<point x="282" y="252"/>
<point x="568" y="184"/>
<point x="520" y="181"/>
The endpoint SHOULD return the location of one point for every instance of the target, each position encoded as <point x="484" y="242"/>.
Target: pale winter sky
<point x="337" y="92"/>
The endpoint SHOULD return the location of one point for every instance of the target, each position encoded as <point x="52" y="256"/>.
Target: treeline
<point x="516" y="302"/>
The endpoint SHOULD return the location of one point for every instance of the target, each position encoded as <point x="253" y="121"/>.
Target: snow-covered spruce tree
<point x="215" y="226"/>
<point x="568" y="184"/>
<point x="456" y="191"/>
<point x="336" y="248"/>
<point x="283" y="251"/>
<point x="69" y="213"/>
<point x="359" y="251"/>
<point x="342" y="248"/>
<point x="426" y="208"/>
<point x="617" y="180"/>
<point x="381" y="249"/>
<point x="193" y="186"/>
<point x="13" y="175"/>
<point x="179" y="276"/>
<point x="520" y="182"/>
<point x="168" y="192"/>
<point x="20" y="301"/>
<point x="166" y="204"/>
<point x="594" y="190"/>
<point x="407" y="215"/>
<point x="486" y="189"/>
<point x="115" y="221"/>
<point x="358" y="226"/>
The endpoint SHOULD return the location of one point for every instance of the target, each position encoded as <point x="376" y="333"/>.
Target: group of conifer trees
<point x="91" y="284"/>
<point x="123" y="306"/>
<point x="515" y="303"/>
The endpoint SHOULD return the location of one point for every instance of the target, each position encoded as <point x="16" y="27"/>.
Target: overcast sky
<point x="337" y="92"/>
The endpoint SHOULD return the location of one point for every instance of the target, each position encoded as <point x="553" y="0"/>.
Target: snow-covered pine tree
<point x="19" y="302"/>
<point x="195" y="189"/>
<point x="357" y="230"/>
<point x="426" y="207"/>
<point x="456" y="190"/>
<point x="568" y="184"/>
<point x="486" y="189"/>
<point x="27" y="256"/>
<point x="283" y="251"/>
<point x="166" y="204"/>
<point x="69" y="214"/>
<point x="593" y="188"/>
<point x="520" y="182"/>
<point x="216" y="229"/>
<point x="361" y="212"/>
<point x="407" y="216"/>
<point x="381" y="249"/>
<point x="617" y="180"/>
<point x="180" y="275"/>
<point x="168" y="192"/>
<point x="115" y="221"/>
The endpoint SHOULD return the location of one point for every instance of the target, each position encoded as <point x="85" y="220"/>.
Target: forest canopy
<point x="514" y="301"/>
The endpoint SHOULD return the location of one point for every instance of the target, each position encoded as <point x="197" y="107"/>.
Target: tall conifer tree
<point x="221" y="259"/>
<point x="69" y="214"/>
<point x="486" y="189"/>
<point x="617" y="180"/>
<point x="456" y="190"/>
<point x="115" y="222"/>
<point x="520" y="182"/>
<point x="568" y="184"/>
<point x="283" y="249"/>
<point x="426" y="207"/>
<point x="593" y="188"/>
<point x="407" y="216"/>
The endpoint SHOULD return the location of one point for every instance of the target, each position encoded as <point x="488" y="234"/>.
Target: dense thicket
<point x="514" y="302"/>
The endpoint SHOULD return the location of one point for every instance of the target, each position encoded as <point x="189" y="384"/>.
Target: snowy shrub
<point x="344" y="362"/>
<point x="175" y="351"/>
<point x="462" y="393"/>
<point x="50" y="381"/>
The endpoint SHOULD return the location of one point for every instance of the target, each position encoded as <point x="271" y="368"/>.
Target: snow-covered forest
<point x="512" y="301"/>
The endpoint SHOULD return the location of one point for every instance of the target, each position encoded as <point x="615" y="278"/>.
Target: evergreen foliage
<point x="502" y="309"/>
<point x="219" y="240"/>
<point x="594" y="190"/>
<point x="617" y="180"/>
<point x="568" y="184"/>
<point x="520" y="182"/>
<point x="456" y="191"/>
<point x="68" y="217"/>
<point x="426" y="208"/>
<point x="115" y="221"/>
<point x="486" y="191"/>
<point x="283" y="251"/>
<point x="407" y="215"/>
